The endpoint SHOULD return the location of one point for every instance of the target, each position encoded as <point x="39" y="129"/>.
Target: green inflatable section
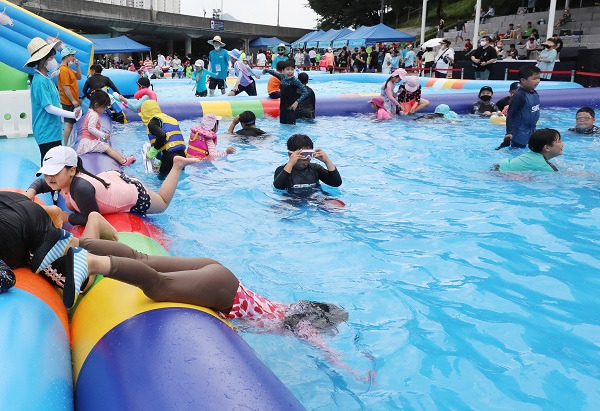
<point x="12" y="79"/>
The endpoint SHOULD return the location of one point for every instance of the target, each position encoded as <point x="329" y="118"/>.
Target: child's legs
<point x="159" y="202"/>
<point x="115" y="154"/>
<point x="212" y="285"/>
<point x="422" y="104"/>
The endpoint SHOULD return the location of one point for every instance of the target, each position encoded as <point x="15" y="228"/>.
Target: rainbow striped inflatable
<point x="128" y="352"/>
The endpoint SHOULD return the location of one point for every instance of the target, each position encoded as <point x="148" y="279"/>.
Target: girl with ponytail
<point x="106" y="193"/>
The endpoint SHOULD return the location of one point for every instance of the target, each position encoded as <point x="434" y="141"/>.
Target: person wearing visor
<point x="46" y="111"/>
<point x="280" y="55"/>
<point x="219" y="64"/>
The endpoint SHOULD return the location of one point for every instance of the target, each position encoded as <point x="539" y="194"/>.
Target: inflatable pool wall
<point x="351" y="104"/>
<point x="35" y="356"/>
<point x="19" y="26"/>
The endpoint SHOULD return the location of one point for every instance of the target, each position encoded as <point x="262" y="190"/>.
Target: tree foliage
<point x="353" y="13"/>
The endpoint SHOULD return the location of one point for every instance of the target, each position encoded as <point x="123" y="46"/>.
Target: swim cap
<point x="199" y="63"/>
<point x="411" y="84"/>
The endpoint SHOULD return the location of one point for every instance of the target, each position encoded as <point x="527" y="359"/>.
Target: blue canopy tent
<point x="355" y="38"/>
<point x="266" y="42"/>
<point x="378" y="34"/>
<point x="298" y="44"/>
<point x="328" y="38"/>
<point x="309" y="42"/>
<point x="121" y="44"/>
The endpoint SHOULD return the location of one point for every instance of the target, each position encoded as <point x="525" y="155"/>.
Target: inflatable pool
<point x="351" y="104"/>
<point x="128" y="351"/>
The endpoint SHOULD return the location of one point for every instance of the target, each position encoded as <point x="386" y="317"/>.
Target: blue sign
<point x="217" y="24"/>
<point x="324" y="44"/>
<point x="298" y="45"/>
<point x="338" y="44"/>
<point x="356" y="43"/>
<point x="311" y="44"/>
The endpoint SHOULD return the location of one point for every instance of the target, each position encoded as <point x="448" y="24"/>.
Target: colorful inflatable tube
<point x="34" y="330"/>
<point x="19" y="26"/>
<point x="352" y="104"/>
<point x="132" y="353"/>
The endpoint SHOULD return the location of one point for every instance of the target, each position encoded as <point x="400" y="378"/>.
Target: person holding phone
<point x="299" y="172"/>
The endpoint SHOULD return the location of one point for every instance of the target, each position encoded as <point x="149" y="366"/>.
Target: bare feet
<point x="181" y="162"/>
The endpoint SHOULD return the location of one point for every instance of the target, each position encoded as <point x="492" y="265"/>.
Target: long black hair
<point x="80" y="169"/>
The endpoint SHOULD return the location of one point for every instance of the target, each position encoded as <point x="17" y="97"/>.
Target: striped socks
<point x="55" y="252"/>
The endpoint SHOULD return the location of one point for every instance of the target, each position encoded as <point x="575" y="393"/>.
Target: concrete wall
<point x="92" y="16"/>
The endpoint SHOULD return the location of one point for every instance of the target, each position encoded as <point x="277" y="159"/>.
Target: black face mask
<point x="485" y="98"/>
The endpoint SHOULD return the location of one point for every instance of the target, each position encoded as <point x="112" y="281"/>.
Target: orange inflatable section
<point x="36" y="285"/>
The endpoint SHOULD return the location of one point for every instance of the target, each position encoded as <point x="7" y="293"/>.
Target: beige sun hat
<point x="38" y="48"/>
<point x="217" y="39"/>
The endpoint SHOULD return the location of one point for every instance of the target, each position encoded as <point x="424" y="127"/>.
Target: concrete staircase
<point x="584" y="19"/>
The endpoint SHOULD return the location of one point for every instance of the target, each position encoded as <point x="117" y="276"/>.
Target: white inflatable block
<point x="15" y="114"/>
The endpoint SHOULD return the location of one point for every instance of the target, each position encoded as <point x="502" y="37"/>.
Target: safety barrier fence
<point x="573" y="73"/>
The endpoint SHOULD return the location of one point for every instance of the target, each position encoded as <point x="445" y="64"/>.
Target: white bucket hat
<point x="38" y="48"/>
<point x="218" y="40"/>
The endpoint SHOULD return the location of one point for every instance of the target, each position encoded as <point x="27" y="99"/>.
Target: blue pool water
<point x="466" y="289"/>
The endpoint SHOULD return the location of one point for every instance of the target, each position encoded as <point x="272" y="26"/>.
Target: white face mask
<point x="51" y="65"/>
<point x="482" y="43"/>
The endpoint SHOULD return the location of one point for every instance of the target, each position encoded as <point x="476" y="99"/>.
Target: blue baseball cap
<point x="67" y="51"/>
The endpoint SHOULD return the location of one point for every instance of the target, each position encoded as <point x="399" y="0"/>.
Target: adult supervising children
<point x="218" y="64"/>
<point x="483" y="58"/>
<point x="68" y="87"/>
<point x="523" y="110"/>
<point x="45" y="100"/>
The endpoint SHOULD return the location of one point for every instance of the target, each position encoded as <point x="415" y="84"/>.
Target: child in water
<point x="544" y="144"/>
<point x="484" y="106"/>
<point x="390" y="98"/>
<point x="145" y="92"/>
<point x="289" y="100"/>
<point x="584" y="122"/>
<point x="248" y="121"/>
<point x="203" y="140"/>
<point x="199" y="76"/>
<point x="377" y="105"/>
<point x="523" y="110"/>
<point x="306" y="108"/>
<point x="273" y="86"/>
<point x="409" y="96"/>
<point x="299" y="172"/>
<point x="91" y="135"/>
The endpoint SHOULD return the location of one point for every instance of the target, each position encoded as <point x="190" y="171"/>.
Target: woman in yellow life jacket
<point x="164" y="135"/>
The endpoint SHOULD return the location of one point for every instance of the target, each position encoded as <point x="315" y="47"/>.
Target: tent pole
<point x="476" y="26"/>
<point x="550" y="21"/>
<point x="423" y="19"/>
